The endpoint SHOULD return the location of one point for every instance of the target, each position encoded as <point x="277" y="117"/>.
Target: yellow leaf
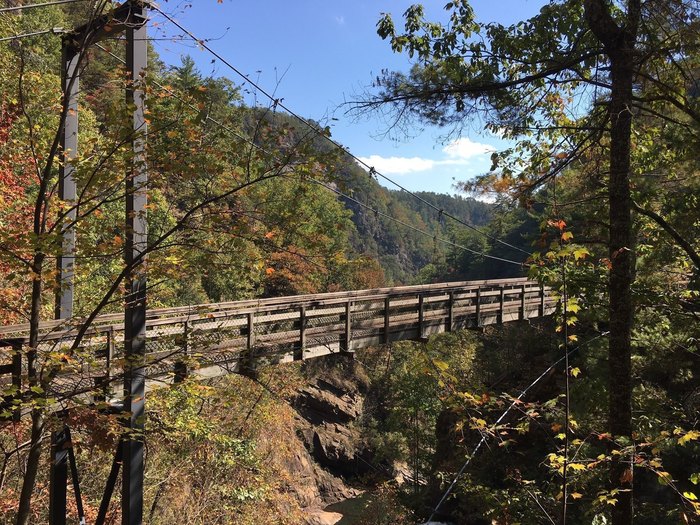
<point x="664" y="477"/>
<point x="689" y="436"/>
<point x="576" y="495"/>
<point x="440" y="365"/>
<point x="581" y="253"/>
<point x="575" y="371"/>
<point x="567" y="236"/>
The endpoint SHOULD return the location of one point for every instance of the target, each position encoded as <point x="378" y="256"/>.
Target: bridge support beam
<point x="135" y="249"/>
<point x="62" y="457"/>
<point x="70" y="85"/>
<point x="65" y="264"/>
<point x="130" y="18"/>
<point x="58" y="479"/>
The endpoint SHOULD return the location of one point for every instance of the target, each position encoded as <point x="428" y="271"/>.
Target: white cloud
<point x="398" y="165"/>
<point x="457" y="153"/>
<point x="464" y="149"/>
<point x="340" y="20"/>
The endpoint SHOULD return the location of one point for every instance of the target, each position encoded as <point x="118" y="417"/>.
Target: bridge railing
<point x="234" y="336"/>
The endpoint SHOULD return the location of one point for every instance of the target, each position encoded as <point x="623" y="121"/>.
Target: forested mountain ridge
<point x="378" y="211"/>
<point x="403" y="252"/>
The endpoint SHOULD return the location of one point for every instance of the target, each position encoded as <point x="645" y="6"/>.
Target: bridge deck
<point x="215" y="339"/>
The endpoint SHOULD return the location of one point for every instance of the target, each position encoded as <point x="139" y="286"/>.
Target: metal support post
<point x="522" y="302"/>
<point x="75" y="478"/>
<point x="70" y="84"/>
<point x="109" y="486"/>
<point x="135" y="249"/>
<point x="59" y="477"/>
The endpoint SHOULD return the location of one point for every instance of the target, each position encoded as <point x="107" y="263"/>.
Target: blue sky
<point x="319" y="54"/>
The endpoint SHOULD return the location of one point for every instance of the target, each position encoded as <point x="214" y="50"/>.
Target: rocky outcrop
<point x="322" y="517"/>
<point x="329" y="450"/>
<point x="329" y="407"/>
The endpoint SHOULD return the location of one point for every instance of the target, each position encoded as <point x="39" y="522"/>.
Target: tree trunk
<point x="33" y="459"/>
<point x="620" y="282"/>
<point x="619" y="44"/>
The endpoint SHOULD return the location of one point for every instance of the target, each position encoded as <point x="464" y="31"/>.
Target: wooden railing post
<point x="501" y="301"/>
<point x="387" y="319"/>
<point x="348" y="325"/>
<point x="246" y="365"/>
<point x="299" y="352"/>
<point x="478" y="307"/>
<point x="450" y="312"/>
<point x="15" y="370"/>
<point x="104" y="382"/>
<point x="541" y="301"/>
<point x="17" y="377"/>
<point x="420" y="316"/>
<point x="250" y="340"/>
<point x="522" y="302"/>
<point x="181" y="364"/>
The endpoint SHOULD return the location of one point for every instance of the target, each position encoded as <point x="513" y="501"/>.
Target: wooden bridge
<point x="215" y="339"/>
